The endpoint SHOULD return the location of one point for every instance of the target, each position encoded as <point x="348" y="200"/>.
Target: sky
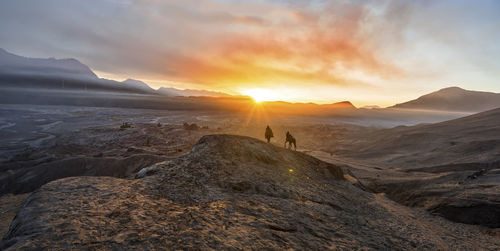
<point x="378" y="52"/>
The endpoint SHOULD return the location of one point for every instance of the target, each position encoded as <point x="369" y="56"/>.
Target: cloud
<point x="220" y="42"/>
<point x="224" y="44"/>
<point x="296" y="49"/>
<point x="220" y="48"/>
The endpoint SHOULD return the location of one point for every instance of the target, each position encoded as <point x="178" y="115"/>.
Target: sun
<point x="259" y="95"/>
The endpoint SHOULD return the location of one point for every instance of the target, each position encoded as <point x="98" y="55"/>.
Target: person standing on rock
<point x="269" y="134"/>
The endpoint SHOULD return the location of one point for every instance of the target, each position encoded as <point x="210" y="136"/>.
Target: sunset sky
<point x="368" y="52"/>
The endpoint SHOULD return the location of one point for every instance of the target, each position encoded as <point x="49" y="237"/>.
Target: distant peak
<point x="454" y="98"/>
<point x="5" y="52"/>
<point x="452" y="88"/>
<point x="138" y="84"/>
<point x="131" y="80"/>
<point x="344" y="104"/>
<point x="67" y="67"/>
<point x="74" y="60"/>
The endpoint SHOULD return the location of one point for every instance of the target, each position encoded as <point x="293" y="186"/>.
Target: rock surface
<point x="231" y="192"/>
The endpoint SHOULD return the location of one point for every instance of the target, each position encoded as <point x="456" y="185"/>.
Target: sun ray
<point x="258" y="114"/>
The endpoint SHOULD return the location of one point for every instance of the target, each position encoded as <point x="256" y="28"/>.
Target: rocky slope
<point x="450" y="168"/>
<point x="469" y="139"/>
<point x="230" y="192"/>
<point x="23" y="180"/>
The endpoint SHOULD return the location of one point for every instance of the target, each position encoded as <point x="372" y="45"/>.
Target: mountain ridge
<point x="138" y="84"/>
<point x="454" y="99"/>
<point x="69" y="73"/>
<point x="69" y="67"/>
<point x="171" y="91"/>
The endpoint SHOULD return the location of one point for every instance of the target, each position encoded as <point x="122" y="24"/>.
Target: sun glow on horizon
<point x="259" y="94"/>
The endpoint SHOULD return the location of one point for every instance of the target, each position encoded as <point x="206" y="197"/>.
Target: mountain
<point x="343" y="104"/>
<point x="50" y="74"/>
<point x="70" y="74"/>
<point x="138" y="84"/>
<point x="173" y="92"/>
<point x="230" y="193"/>
<point x="17" y="65"/>
<point x="454" y="99"/>
<point x="287" y="108"/>
<point x="169" y="91"/>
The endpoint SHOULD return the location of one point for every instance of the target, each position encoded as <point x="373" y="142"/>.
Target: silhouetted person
<point x="290" y="140"/>
<point x="269" y="134"/>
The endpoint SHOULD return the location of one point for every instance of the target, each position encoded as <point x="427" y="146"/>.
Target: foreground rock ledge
<point x="230" y="192"/>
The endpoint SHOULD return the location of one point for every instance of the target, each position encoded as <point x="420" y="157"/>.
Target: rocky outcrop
<point x="27" y="179"/>
<point x="229" y="192"/>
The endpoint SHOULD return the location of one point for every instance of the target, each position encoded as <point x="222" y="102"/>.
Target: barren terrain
<point x="413" y="174"/>
<point x="231" y="192"/>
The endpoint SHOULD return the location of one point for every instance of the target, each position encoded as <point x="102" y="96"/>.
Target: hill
<point x="454" y="99"/>
<point x="450" y="168"/>
<point x="471" y="138"/>
<point x="230" y="192"/>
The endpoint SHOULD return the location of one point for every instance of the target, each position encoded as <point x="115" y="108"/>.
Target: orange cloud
<point x="277" y="57"/>
<point x="224" y="46"/>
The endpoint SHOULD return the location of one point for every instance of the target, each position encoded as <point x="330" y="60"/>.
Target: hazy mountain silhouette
<point x="70" y="74"/>
<point x="58" y="74"/>
<point x="343" y="104"/>
<point x="454" y="99"/>
<point x="169" y="91"/>
<point x="172" y="92"/>
<point x="18" y="65"/>
<point x="138" y="84"/>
